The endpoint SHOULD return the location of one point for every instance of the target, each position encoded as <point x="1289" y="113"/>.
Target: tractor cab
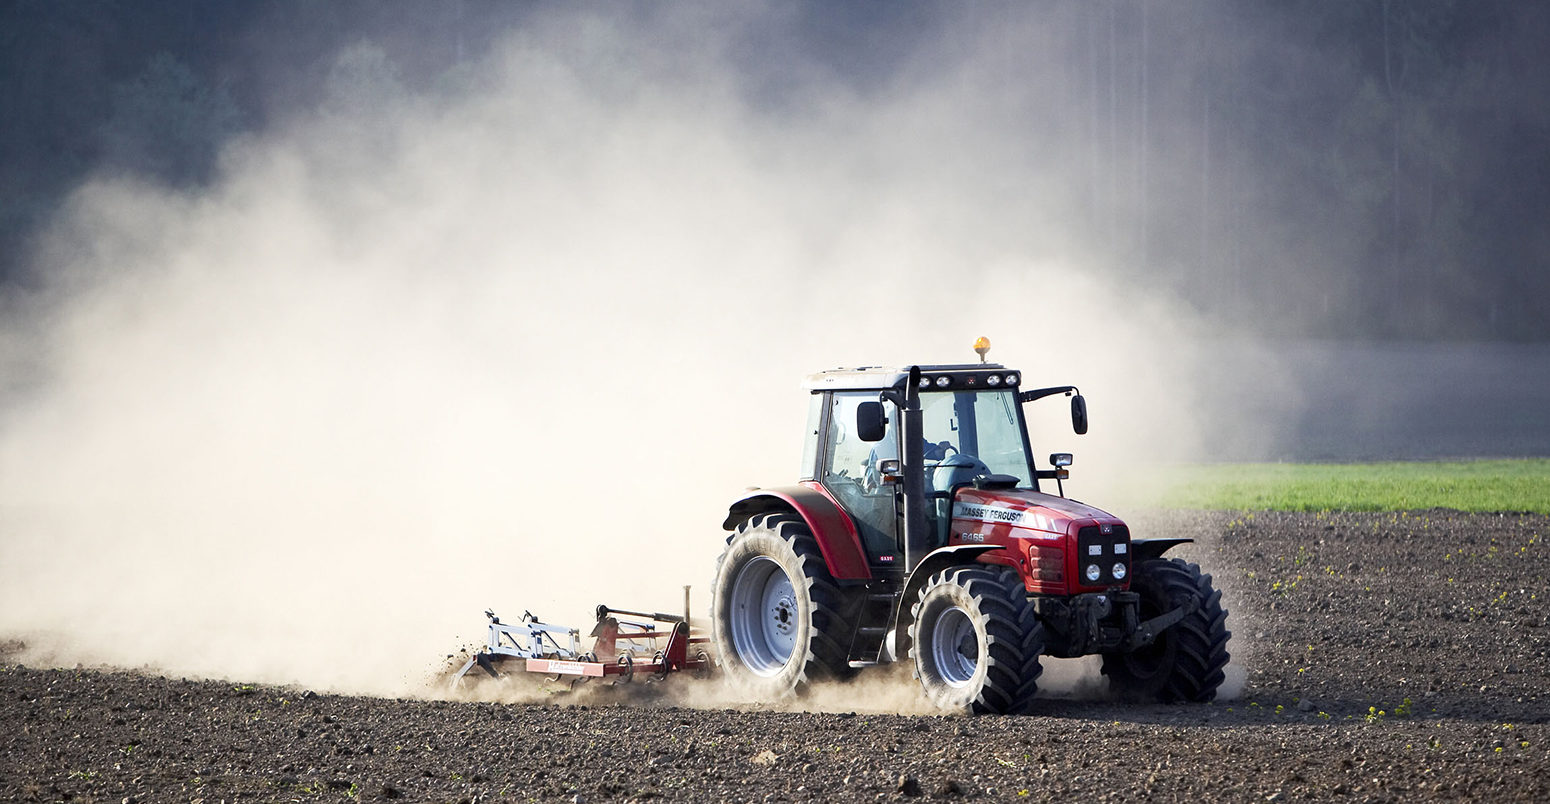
<point x="885" y="443"/>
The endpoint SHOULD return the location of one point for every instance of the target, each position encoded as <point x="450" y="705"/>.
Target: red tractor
<point x="919" y="532"/>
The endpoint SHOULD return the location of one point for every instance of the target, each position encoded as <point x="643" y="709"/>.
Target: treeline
<point x="1339" y="168"/>
<point x="1343" y="168"/>
<point x="154" y="88"/>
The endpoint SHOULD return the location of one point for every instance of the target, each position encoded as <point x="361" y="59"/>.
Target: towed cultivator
<point x="654" y="645"/>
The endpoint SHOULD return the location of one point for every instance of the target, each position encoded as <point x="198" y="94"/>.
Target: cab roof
<point x="970" y="376"/>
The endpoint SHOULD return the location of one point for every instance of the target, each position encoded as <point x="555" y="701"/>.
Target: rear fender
<point x="934" y="562"/>
<point x="1143" y="549"/>
<point x="831" y="526"/>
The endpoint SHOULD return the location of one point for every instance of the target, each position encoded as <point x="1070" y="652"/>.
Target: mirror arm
<point x="1040" y="393"/>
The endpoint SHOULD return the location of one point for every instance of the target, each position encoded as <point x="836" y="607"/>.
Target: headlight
<point x="1119" y="571"/>
<point x="925" y="382"/>
<point x="941" y="382"/>
<point x="1093" y="572"/>
<point x="1011" y="379"/>
<point x="993" y="380"/>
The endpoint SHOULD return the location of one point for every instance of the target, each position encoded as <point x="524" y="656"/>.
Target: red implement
<point x="609" y="658"/>
<point x="656" y="644"/>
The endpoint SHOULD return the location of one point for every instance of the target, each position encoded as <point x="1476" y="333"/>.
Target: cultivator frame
<point x="653" y="645"/>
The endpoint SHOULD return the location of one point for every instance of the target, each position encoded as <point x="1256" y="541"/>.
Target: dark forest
<point x="1316" y="168"/>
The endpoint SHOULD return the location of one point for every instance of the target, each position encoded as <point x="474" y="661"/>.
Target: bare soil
<point x="1381" y="657"/>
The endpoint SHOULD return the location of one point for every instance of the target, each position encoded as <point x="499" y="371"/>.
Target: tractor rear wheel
<point x="777" y="616"/>
<point x="976" y="640"/>
<point x="1185" y="662"/>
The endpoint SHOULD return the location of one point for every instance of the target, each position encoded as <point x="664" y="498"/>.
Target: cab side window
<point x="850" y="470"/>
<point x="848" y="456"/>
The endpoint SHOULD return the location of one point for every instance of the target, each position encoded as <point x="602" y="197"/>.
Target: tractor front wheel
<point x="976" y="641"/>
<point x="1184" y="663"/>
<point x="778" y="617"/>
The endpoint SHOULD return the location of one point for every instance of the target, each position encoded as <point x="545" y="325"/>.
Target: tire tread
<point x="1014" y="637"/>
<point x="832" y="614"/>
<point x="1201" y="638"/>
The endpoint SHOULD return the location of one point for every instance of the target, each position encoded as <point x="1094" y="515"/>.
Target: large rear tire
<point x="1185" y="662"/>
<point x="976" y="641"/>
<point x="778" y="618"/>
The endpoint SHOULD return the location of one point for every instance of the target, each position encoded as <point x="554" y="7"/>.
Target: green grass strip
<point x="1482" y="486"/>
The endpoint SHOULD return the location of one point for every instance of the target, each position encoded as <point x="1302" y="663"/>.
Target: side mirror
<point x="1060" y="459"/>
<point x="871" y="424"/>
<point x="1078" y="414"/>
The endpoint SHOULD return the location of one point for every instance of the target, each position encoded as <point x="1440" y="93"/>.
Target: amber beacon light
<point x="981" y="346"/>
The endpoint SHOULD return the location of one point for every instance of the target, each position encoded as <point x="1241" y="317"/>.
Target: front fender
<point x="833" y="529"/>
<point x="1143" y="549"/>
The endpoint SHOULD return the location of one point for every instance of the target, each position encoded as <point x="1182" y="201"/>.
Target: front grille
<point x="1094" y="546"/>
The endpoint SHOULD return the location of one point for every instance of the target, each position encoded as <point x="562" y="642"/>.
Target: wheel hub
<point x="764" y="616"/>
<point x="955" y="647"/>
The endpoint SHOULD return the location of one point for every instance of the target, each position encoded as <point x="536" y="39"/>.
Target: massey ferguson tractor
<point x="919" y="531"/>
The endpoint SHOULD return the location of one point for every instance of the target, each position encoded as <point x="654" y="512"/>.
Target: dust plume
<point x="516" y="340"/>
<point x="881" y="689"/>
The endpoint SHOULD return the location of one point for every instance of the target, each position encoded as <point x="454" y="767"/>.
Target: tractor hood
<point x="1059" y="546"/>
<point x="1027" y="509"/>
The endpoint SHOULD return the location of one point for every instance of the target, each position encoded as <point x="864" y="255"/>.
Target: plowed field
<point x="1376" y="657"/>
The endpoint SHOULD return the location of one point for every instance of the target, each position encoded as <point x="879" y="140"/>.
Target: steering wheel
<point x="938" y="451"/>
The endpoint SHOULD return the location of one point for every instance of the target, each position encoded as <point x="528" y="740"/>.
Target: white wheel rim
<point x="763" y="616"/>
<point x="955" y="647"/>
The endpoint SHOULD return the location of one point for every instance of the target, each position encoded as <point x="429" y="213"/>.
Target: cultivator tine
<point x="457" y="678"/>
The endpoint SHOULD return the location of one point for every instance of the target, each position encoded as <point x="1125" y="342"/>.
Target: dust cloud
<point x="881" y="689"/>
<point x="515" y="341"/>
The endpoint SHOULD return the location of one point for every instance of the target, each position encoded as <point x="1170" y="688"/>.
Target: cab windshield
<point x="982" y="425"/>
